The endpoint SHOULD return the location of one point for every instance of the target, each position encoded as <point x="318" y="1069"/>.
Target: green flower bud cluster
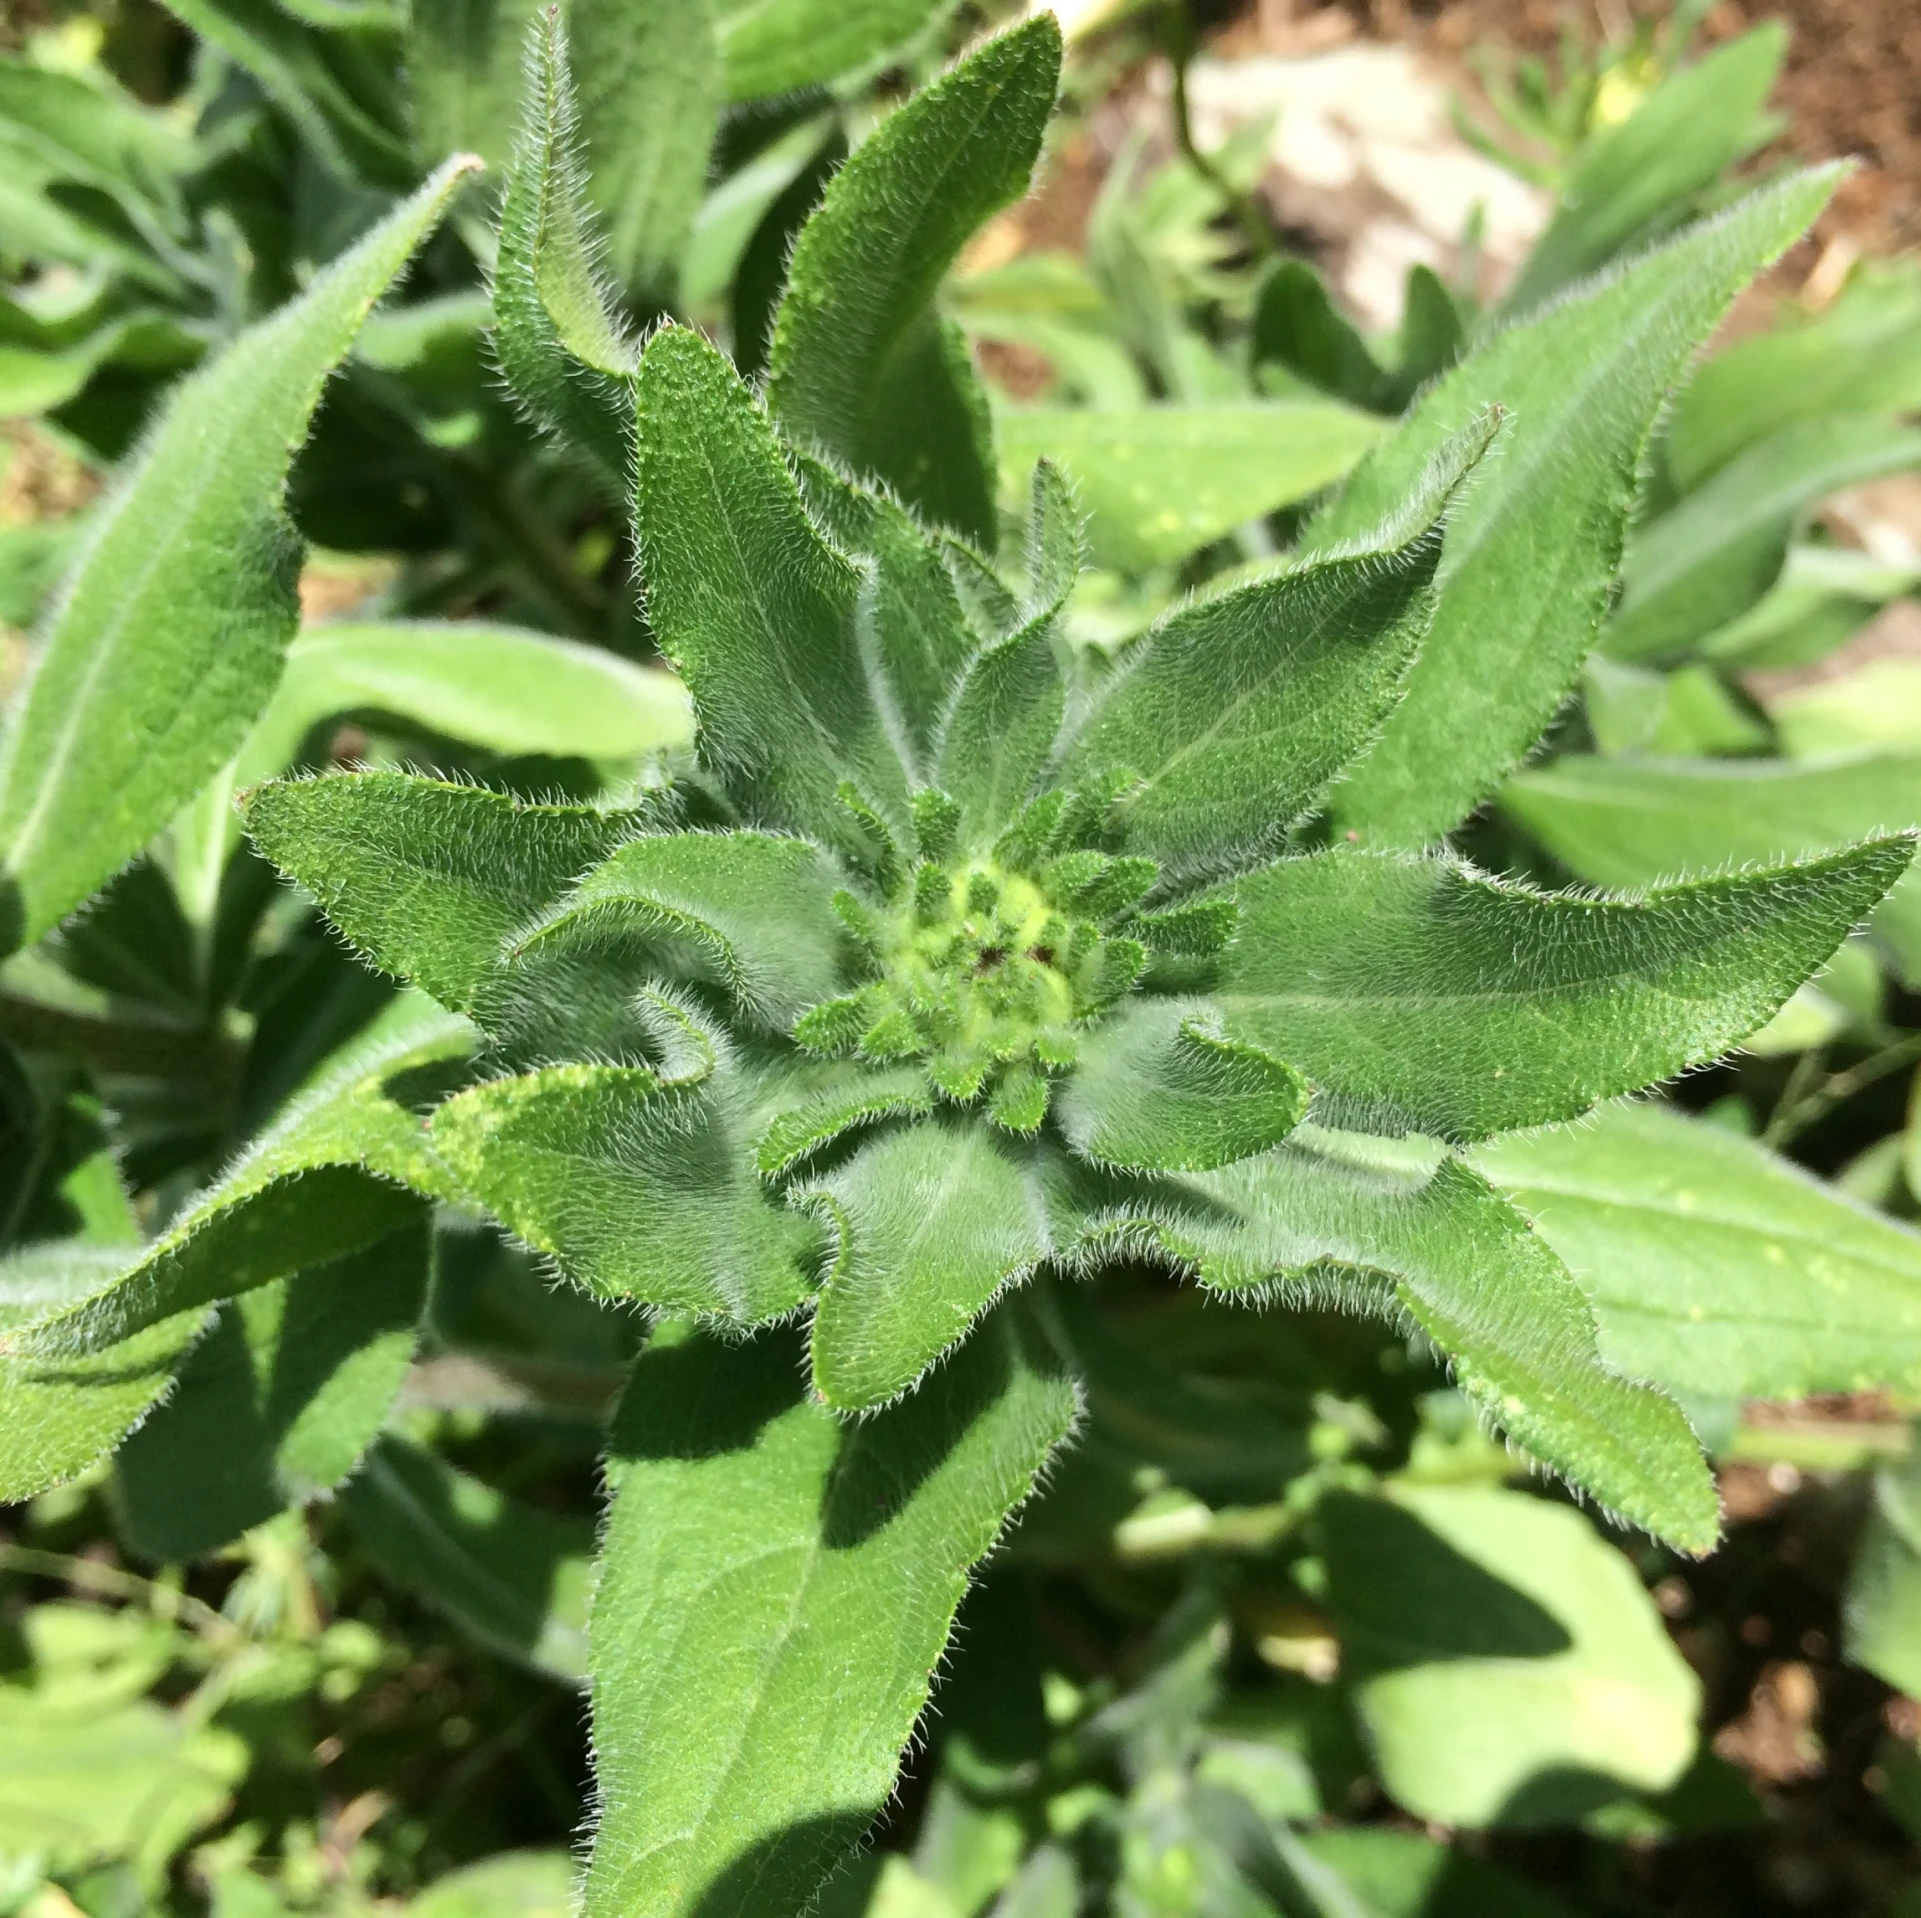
<point x="985" y="964"/>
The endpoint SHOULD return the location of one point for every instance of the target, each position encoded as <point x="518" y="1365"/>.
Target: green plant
<point x="992" y="1058"/>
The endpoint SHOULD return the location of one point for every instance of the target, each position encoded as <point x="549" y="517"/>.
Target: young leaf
<point x="1159" y="1088"/>
<point x="911" y="624"/>
<point x="650" y="87"/>
<point x="751" y="603"/>
<point x="1509" y="1665"/>
<point x="1464" y="1265"/>
<point x="1673" y="147"/>
<point x="781" y="46"/>
<point x="1156" y="482"/>
<point x="930" y="1222"/>
<point x="560" y="348"/>
<point x="805" y="1573"/>
<point x="1056" y="540"/>
<point x="862" y="367"/>
<point x="343" y="1164"/>
<point x="277" y="1403"/>
<point x="750" y="910"/>
<point x="511" y="1575"/>
<point x="429" y="880"/>
<point x="1716" y="1268"/>
<point x="1417" y="994"/>
<point x="1585" y="383"/>
<point x="637" y="1188"/>
<point x="1001" y="729"/>
<point x="60" y="1413"/>
<point x="829" y="1099"/>
<point x="1712" y="557"/>
<point x="172" y="630"/>
<point x="1236" y="713"/>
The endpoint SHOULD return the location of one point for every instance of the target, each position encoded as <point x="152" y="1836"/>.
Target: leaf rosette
<point x="963" y="952"/>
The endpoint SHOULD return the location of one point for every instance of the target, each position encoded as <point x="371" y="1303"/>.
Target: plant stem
<point x="1180" y="51"/>
<point x="1800" y="1108"/>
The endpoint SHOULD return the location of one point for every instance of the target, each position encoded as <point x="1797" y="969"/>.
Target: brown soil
<point x="1852" y="87"/>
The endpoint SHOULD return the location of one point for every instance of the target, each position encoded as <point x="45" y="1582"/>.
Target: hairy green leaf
<point x="1001" y="729"/>
<point x="775" y="1588"/>
<point x="929" y="1223"/>
<point x="1236" y="713"/>
<point x="60" y="1413"/>
<point x="1715" y="1267"/>
<point x="862" y="368"/>
<point x="751" y="911"/>
<point x="1159" y="1087"/>
<point x="1532" y="553"/>
<point x="1508" y="1665"/>
<point x="429" y="880"/>
<point x="1463" y="1264"/>
<point x="1712" y="557"/>
<point x="638" y="1187"/>
<point x="650" y="91"/>
<point x="277" y="1403"/>
<point x="1156" y="482"/>
<point x="511" y="1575"/>
<point x="749" y="600"/>
<point x="560" y="347"/>
<point x="171" y="632"/>
<point x="344" y="1163"/>
<point x="1417" y="994"/>
<point x="781" y="46"/>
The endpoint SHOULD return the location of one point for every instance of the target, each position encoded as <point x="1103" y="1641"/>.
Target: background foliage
<point x="1288" y="1631"/>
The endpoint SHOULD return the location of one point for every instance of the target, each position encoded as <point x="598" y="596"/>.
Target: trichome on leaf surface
<point x="954" y="963"/>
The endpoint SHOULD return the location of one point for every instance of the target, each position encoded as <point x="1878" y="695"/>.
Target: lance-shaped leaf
<point x="862" y="367"/>
<point x="511" y="1575"/>
<point x="1056" y="540"/>
<point x="1532" y="553"/>
<point x="774" y="1591"/>
<point x="780" y="46"/>
<point x="277" y="1403"/>
<point x="1715" y="1267"/>
<point x="1001" y="729"/>
<point x="494" y="686"/>
<point x="1236" y="713"/>
<point x="650" y="89"/>
<point x="429" y="880"/>
<point x="1465" y="1266"/>
<point x="638" y="1187"/>
<point x="1418" y="995"/>
<point x="59" y="1413"/>
<point x="1675" y="145"/>
<point x="171" y="632"/>
<point x="1161" y="1088"/>
<point x="1156" y="482"/>
<point x="746" y="909"/>
<point x="1711" y="558"/>
<point x="912" y="629"/>
<point x="345" y="1163"/>
<point x="929" y="1222"/>
<point x="559" y="346"/>
<point x="745" y="596"/>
